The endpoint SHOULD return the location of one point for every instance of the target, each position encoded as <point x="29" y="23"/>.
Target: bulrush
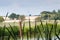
<point x="20" y="24"/>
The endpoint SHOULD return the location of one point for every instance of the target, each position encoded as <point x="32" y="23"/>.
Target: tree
<point x="12" y="16"/>
<point x="1" y="19"/>
<point x="45" y="12"/>
<point x="45" y="15"/>
<point x="17" y="16"/>
<point x="58" y="11"/>
<point x="54" y="12"/>
<point x="58" y="15"/>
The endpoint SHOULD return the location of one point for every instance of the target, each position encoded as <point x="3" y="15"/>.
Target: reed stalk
<point x="29" y="26"/>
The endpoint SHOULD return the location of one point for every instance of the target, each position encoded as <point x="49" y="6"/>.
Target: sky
<point x="26" y="7"/>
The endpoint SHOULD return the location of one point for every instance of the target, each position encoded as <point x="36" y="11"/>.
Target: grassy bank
<point x="30" y="29"/>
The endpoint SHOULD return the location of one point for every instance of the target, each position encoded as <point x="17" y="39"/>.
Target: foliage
<point x="12" y="16"/>
<point x="16" y="16"/>
<point x="50" y="15"/>
<point x="43" y="30"/>
<point x="15" y="28"/>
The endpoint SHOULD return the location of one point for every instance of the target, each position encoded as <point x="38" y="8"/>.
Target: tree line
<point x="47" y="15"/>
<point x="16" y="16"/>
<point x="44" y="15"/>
<point x="13" y="16"/>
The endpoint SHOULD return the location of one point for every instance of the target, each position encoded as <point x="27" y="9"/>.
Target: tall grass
<point x="42" y="31"/>
<point x="30" y="27"/>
